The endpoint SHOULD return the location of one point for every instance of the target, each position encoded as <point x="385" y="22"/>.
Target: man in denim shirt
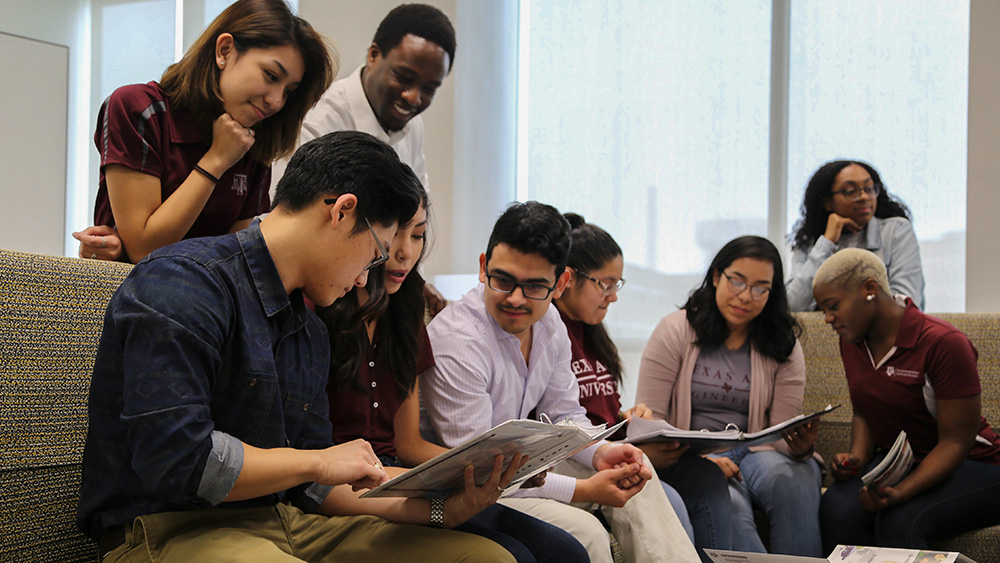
<point x="209" y="433"/>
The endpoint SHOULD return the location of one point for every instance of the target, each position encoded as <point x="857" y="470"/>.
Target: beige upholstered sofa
<point x="51" y="314"/>
<point x="825" y="384"/>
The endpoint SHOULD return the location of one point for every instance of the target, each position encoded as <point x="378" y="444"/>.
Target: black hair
<point x="351" y="162"/>
<point x="773" y="331"/>
<point x="420" y="20"/>
<point x="398" y="317"/>
<point x="592" y="247"/>
<point x="533" y="228"/>
<point x="813" y="213"/>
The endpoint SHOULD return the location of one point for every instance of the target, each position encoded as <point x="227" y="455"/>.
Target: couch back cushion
<point x="51" y="314"/>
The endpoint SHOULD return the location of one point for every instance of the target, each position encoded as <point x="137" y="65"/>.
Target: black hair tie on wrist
<point x="206" y="174"/>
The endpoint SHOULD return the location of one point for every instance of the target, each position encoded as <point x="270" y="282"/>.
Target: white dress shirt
<point x="344" y="107"/>
<point x="480" y="380"/>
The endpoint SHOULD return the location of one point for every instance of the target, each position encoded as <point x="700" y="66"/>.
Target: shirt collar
<point x="363" y="113"/>
<point x="574" y="328"/>
<point x="182" y="125"/>
<point x="264" y="273"/>
<point x="910" y="327"/>
<point x="873" y="234"/>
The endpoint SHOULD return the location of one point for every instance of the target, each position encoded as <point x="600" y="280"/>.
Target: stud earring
<point x="870" y="297"/>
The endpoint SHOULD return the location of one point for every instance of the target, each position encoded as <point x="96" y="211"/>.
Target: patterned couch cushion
<point x="51" y="310"/>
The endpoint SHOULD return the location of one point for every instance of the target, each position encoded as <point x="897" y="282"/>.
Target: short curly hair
<point x="420" y="20"/>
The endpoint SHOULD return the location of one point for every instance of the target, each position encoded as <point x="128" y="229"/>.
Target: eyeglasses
<point x="853" y="193"/>
<point x="606" y="288"/>
<point x="383" y="254"/>
<point x="530" y="290"/>
<point x="736" y="285"/>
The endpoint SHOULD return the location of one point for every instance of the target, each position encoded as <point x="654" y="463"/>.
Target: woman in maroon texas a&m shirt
<point x="908" y="371"/>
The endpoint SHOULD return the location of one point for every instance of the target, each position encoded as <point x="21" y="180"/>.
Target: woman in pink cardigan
<point x="731" y="357"/>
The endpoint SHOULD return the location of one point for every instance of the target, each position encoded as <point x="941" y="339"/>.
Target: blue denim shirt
<point x="202" y="349"/>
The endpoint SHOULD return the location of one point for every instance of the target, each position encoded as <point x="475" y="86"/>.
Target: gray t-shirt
<point x="720" y="388"/>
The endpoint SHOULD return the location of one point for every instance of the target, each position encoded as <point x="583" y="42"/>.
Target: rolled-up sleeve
<point x="170" y="354"/>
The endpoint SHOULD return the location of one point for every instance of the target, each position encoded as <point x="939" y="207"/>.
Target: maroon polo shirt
<point x="369" y="413"/>
<point x="932" y="360"/>
<point x="137" y="128"/>
<point x="598" y="388"/>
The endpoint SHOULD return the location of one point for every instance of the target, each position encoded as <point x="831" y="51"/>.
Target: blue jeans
<point x="968" y="499"/>
<point x="702" y="485"/>
<point x="527" y="538"/>
<point x="680" y="509"/>
<point x="788" y="492"/>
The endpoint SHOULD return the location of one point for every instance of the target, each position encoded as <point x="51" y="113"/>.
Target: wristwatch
<point x="437" y="512"/>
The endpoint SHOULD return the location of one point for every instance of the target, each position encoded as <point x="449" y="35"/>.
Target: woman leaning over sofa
<point x="905" y="371"/>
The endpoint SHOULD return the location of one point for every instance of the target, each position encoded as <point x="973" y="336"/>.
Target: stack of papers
<point x="893" y="467"/>
<point x="844" y="554"/>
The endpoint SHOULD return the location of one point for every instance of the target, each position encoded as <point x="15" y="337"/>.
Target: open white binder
<point x="545" y="445"/>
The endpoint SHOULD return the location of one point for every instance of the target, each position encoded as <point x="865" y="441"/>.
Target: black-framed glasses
<point x="853" y="193"/>
<point x="530" y="290"/>
<point x="383" y="254"/>
<point x="606" y="288"/>
<point x="736" y="285"/>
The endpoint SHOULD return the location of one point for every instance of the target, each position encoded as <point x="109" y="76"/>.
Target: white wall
<point x="982" y="260"/>
<point x="63" y="22"/>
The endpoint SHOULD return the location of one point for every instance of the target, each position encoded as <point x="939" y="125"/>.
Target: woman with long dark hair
<point x="731" y="357"/>
<point x="191" y="155"/>
<point x="846" y="205"/>
<point x="379" y="347"/>
<point x="596" y="265"/>
<point x="906" y="371"/>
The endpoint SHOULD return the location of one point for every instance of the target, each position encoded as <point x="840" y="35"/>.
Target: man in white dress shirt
<point x="502" y="353"/>
<point x="410" y="56"/>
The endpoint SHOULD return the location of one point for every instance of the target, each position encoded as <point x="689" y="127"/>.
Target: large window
<point x="888" y="82"/>
<point x="652" y="119"/>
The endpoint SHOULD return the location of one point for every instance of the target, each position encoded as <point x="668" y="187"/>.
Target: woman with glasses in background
<point x="847" y="206"/>
<point x="595" y="266"/>
<point x="731" y="356"/>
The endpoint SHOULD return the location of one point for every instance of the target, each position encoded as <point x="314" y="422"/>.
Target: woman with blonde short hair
<point x="906" y="371"/>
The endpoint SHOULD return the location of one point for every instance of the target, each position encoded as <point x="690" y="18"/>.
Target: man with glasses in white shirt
<point x="502" y="353"/>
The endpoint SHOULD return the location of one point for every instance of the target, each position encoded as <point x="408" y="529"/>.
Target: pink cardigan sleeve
<point x="665" y="370"/>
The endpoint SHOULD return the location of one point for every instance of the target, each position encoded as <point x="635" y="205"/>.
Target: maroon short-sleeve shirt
<point x="369" y="413"/>
<point x="137" y="128"/>
<point x="932" y="360"/>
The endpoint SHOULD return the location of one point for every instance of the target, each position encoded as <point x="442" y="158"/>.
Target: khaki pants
<point x="647" y="528"/>
<point x="283" y="533"/>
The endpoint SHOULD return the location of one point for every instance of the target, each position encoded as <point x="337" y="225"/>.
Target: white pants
<point x="647" y="529"/>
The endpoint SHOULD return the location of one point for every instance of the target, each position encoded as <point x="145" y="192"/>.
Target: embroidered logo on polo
<point x="240" y="183"/>
<point x="893" y="371"/>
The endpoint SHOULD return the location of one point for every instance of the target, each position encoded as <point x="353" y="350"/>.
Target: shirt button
<point x="375" y="404"/>
<point x="373" y="384"/>
<point x="371" y="364"/>
<point x="253" y="382"/>
<point x="305" y="407"/>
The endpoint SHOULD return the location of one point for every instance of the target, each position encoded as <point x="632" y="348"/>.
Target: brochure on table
<point x="844" y="554"/>
<point x="706" y="442"/>
<point x="545" y="445"/>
